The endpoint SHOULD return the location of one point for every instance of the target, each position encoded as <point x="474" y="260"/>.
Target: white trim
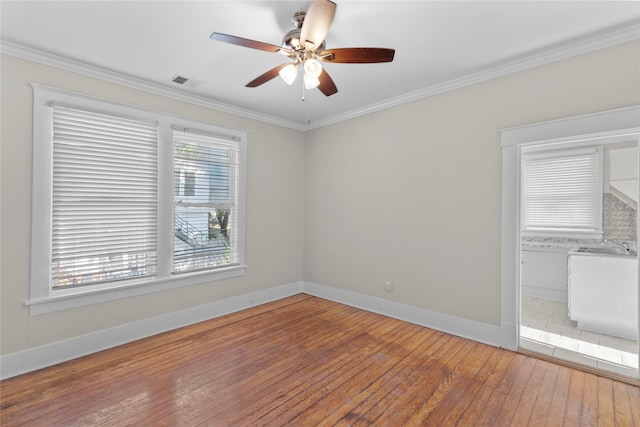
<point x="87" y="296"/>
<point x="510" y="255"/>
<point x="544" y="293"/>
<point x="598" y="125"/>
<point x="43" y="94"/>
<point x="623" y="122"/>
<point x="611" y="37"/>
<point x="50" y="354"/>
<point x="126" y="80"/>
<point x="41" y="298"/>
<point x="465" y="328"/>
<point x="602" y="40"/>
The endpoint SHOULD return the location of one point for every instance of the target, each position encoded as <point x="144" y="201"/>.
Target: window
<point x="204" y="205"/>
<point x="562" y="191"/>
<point x="128" y="201"/>
<point x="104" y="198"/>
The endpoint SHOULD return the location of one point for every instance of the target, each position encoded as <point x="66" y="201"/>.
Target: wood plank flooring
<point x="306" y="361"/>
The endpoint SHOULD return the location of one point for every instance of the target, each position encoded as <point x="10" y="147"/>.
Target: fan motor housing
<point x="298" y="19"/>
<point x="291" y="40"/>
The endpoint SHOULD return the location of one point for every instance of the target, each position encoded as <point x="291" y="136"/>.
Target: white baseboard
<point x="50" y="354"/>
<point x="545" y="293"/>
<point x="482" y="332"/>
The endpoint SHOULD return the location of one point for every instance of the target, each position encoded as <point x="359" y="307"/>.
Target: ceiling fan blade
<point x="226" y="38"/>
<point x="358" y="55"/>
<point x="272" y="73"/>
<point x="317" y="22"/>
<point x="326" y="86"/>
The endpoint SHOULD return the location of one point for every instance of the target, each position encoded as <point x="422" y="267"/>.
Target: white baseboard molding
<point x="477" y="331"/>
<point x="545" y="293"/>
<point x="50" y="354"/>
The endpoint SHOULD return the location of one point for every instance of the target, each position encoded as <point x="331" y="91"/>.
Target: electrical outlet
<point x="388" y="286"/>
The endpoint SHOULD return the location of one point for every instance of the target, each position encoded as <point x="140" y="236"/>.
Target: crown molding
<point x="603" y="39"/>
<point x="622" y="34"/>
<point x="66" y="64"/>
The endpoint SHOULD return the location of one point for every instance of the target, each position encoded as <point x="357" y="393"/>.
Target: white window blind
<point x="104" y="219"/>
<point x="205" y="202"/>
<point x="562" y="191"/>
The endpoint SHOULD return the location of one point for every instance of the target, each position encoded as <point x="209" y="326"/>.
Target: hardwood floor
<point x="307" y="361"/>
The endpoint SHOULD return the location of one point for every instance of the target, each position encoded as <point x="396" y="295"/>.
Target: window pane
<point x="202" y="172"/>
<point x="202" y="238"/>
<point x="205" y="202"/>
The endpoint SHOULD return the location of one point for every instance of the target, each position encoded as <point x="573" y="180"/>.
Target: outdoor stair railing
<point x="190" y="234"/>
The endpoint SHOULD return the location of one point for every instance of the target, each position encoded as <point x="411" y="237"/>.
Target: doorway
<point x="542" y="315"/>
<point x="548" y="325"/>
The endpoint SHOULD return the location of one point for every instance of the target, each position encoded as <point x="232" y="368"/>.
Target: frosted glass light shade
<point x="312" y="67"/>
<point x="310" y="81"/>
<point x="289" y="73"/>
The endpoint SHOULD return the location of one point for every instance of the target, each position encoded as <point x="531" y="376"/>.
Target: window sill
<point x="64" y="301"/>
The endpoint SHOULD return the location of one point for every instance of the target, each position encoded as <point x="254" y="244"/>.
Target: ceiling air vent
<point x="180" y="80"/>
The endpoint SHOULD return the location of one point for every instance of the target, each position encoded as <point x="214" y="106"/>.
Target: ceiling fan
<point x="305" y="47"/>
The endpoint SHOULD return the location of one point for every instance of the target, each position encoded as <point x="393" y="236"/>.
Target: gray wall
<point x="274" y="211"/>
<point x="410" y="194"/>
<point x="413" y="194"/>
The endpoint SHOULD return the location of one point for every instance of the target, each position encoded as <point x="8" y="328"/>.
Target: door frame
<point x="619" y="122"/>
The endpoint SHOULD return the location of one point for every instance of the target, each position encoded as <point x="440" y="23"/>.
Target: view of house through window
<point x="204" y="197"/>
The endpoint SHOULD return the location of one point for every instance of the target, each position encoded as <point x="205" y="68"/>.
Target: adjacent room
<point x="319" y="213"/>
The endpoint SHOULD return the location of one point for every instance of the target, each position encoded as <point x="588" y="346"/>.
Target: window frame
<point x="42" y="299"/>
<point x="205" y="145"/>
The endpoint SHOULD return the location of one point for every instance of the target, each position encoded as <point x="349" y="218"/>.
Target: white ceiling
<point x="438" y="44"/>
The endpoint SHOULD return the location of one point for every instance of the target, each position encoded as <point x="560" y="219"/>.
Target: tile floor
<point x="546" y="328"/>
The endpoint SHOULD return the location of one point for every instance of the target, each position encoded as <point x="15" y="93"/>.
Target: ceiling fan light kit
<point x="305" y="45"/>
<point x="312" y="67"/>
<point x="289" y="73"/>
<point x="311" y="82"/>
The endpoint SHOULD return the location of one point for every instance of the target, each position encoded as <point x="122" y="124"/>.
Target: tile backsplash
<point x="619" y="219"/>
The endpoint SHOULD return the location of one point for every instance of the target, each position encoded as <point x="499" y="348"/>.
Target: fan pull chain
<point x="303" y="91"/>
<point x="304" y="99"/>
